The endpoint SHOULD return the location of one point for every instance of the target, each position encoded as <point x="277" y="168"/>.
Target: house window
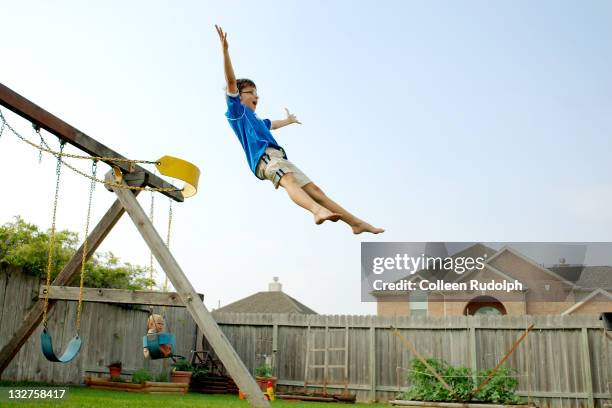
<point x="418" y="303"/>
<point x="487" y="311"/>
<point x="484" y="305"/>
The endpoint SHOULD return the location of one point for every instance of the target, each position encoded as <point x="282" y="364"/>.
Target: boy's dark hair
<point x="243" y="83"/>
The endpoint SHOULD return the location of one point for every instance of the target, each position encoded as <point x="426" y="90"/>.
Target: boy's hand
<point x="230" y="77"/>
<point x="277" y="124"/>
<point x="291" y="118"/>
<point x="222" y="37"/>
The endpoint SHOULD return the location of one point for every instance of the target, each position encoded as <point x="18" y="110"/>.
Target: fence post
<point x="472" y="338"/>
<point x="586" y="368"/>
<point x="372" y="361"/>
<point x="274" y="346"/>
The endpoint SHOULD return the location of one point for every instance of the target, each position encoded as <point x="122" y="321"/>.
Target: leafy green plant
<point x="183" y="365"/>
<point x="500" y="389"/>
<point x="117" y="379"/>
<point x="199" y="374"/>
<point x="424" y="386"/>
<point x="162" y="377"/>
<point x="263" y="370"/>
<point x="140" y="376"/>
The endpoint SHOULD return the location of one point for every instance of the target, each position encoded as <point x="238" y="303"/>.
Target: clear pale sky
<point x="439" y="121"/>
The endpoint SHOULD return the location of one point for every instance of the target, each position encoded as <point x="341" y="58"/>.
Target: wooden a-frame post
<point x="228" y="356"/>
<point x="127" y="202"/>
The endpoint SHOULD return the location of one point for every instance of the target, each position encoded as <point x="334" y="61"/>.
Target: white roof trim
<point x="586" y="299"/>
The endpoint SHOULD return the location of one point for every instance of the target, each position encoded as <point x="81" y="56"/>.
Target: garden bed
<point x="148" y="387"/>
<point x="434" y="404"/>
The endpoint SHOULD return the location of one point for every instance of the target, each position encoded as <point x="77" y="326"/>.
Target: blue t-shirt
<point x="253" y="133"/>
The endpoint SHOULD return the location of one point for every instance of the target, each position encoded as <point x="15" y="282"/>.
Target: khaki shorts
<point x="273" y="166"/>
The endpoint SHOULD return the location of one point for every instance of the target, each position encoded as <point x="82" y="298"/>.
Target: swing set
<point x="126" y="180"/>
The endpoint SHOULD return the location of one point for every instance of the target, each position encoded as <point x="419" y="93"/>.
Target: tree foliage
<point x="25" y="246"/>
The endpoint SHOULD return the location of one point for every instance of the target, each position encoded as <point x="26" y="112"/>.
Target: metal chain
<point x="92" y="187"/>
<point x="59" y="154"/>
<point x="58" y="170"/>
<point x="3" y="125"/>
<point x="151" y="218"/>
<point x="37" y="130"/>
<point x="168" y="238"/>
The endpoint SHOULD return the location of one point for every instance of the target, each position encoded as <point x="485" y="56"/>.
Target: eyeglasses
<point x="253" y="92"/>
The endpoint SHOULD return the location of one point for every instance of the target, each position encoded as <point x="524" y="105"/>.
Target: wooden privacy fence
<point x="109" y="333"/>
<point x="564" y="362"/>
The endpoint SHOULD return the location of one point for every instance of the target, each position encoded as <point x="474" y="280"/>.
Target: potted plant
<point x="115" y="369"/>
<point x="181" y="372"/>
<point x="263" y="376"/>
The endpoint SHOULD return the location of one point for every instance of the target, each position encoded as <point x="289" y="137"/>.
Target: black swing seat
<point x="74" y="346"/>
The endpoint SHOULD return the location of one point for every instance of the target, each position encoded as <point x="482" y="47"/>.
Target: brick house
<point x="576" y="289"/>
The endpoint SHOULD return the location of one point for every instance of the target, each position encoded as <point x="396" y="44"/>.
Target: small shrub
<point x="500" y="389"/>
<point x="199" y="374"/>
<point x="424" y="386"/>
<point x="117" y="379"/>
<point x="140" y="376"/>
<point x="162" y="377"/>
<point x="263" y="370"/>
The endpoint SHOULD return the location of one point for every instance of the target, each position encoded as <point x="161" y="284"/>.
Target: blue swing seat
<point x="154" y="340"/>
<point x="74" y="346"/>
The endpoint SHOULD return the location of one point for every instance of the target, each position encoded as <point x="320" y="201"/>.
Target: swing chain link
<point x="37" y="130"/>
<point x="92" y="187"/>
<point x="50" y="249"/>
<point x="151" y="268"/>
<point x="168" y="239"/>
<point x="43" y="147"/>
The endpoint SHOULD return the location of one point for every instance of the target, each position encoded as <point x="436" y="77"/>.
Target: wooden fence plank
<point x="586" y="364"/>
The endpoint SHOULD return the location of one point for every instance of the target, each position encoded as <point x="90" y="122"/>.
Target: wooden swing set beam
<point x="122" y="296"/>
<point x="52" y="124"/>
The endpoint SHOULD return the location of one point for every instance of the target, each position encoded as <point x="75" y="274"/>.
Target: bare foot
<point x="365" y="227"/>
<point x="325" y="215"/>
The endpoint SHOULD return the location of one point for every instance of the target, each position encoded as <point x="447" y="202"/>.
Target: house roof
<point x="586" y="277"/>
<point x="593" y="277"/>
<point x="585" y="299"/>
<point x="267" y="302"/>
<point x="569" y="272"/>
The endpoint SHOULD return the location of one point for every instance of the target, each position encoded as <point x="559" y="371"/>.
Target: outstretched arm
<point x="230" y="77"/>
<point x="276" y="124"/>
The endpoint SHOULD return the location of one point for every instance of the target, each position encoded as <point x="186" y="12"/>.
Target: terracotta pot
<point x="114" y="371"/>
<point x="263" y="382"/>
<point x="183" y="377"/>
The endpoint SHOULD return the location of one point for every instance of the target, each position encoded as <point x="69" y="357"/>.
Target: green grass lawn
<point x="87" y="397"/>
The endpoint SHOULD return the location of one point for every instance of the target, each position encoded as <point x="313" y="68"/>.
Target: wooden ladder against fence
<point x="326" y="366"/>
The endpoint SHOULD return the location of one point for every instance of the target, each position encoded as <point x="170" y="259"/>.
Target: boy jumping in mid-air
<point x="267" y="159"/>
